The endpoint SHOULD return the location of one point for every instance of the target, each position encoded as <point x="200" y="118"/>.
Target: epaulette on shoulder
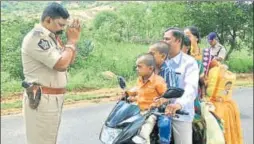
<point x="38" y="32"/>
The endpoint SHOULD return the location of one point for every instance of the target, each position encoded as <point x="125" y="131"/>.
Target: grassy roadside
<point x="69" y="99"/>
<point x="13" y="106"/>
<point x="244" y="84"/>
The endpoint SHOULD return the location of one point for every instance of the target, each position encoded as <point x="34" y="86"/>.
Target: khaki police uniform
<point x="40" y="52"/>
<point x="218" y="51"/>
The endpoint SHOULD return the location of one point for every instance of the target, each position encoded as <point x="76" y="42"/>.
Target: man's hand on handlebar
<point x="172" y="108"/>
<point x="158" y="102"/>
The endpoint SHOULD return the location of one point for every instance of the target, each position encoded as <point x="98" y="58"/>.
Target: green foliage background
<point x="113" y="39"/>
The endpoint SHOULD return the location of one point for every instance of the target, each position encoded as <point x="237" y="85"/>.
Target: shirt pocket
<point x="179" y="78"/>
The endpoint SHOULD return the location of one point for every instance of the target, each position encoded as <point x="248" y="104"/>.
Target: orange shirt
<point x="154" y="87"/>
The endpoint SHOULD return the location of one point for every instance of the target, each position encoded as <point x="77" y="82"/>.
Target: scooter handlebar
<point x="181" y="112"/>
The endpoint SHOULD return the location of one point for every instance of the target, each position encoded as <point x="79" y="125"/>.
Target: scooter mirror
<point x="122" y="82"/>
<point x="138" y="140"/>
<point x="173" y="92"/>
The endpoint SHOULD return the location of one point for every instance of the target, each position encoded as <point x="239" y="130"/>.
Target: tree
<point x="108" y="26"/>
<point x="233" y="21"/>
<point x="12" y="34"/>
<point x="146" y="21"/>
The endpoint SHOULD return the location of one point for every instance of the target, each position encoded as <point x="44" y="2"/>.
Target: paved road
<point x="82" y="125"/>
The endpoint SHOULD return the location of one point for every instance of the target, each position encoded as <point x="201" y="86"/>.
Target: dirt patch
<point x="103" y="91"/>
<point x="102" y="95"/>
<point x="89" y="14"/>
<point x="11" y="111"/>
<point x="86" y="89"/>
<point x="244" y="76"/>
<point x="8" y="98"/>
<point x="67" y="104"/>
<point x="244" y="79"/>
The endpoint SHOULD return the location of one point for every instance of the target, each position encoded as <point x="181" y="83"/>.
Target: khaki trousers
<point x="147" y="128"/>
<point x="42" y="124"/>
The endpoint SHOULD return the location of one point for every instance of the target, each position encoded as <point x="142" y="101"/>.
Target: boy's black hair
<point x="187" y="42"/>
<point x="148" y="59"/>
<point x="54" y="11"/>
<point x="162" y="47"/>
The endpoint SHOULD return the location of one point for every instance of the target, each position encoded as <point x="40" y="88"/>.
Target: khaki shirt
<point x="218" y="51"/>
<point x="40" y="52"/>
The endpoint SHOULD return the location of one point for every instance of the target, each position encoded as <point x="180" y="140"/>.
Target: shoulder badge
<point x="44" y="44"/>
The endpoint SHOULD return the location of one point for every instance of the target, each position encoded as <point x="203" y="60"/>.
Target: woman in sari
<point x="203" y="132"/>
<point x="219" y="82"/>
<point x="219" y="90"/>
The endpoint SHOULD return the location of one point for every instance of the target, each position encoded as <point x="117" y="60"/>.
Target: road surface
<point x="82" y="125"/>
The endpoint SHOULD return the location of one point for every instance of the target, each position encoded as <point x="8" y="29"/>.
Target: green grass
<point x="16" y="104"/>
<point x="9" y="85"/>
<point x="118" y="58"/>
<point x="241" y="65"/>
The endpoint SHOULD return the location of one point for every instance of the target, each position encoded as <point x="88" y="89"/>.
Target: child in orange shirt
<point x="149" y="87"/>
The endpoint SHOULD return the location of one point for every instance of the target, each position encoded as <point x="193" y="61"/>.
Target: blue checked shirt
<point x="169" y="75"/>
<point x="182" y="71"/>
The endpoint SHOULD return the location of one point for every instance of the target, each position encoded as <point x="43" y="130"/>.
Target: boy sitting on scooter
<point x="149" y="87"/>
<point x="160" y="52"/>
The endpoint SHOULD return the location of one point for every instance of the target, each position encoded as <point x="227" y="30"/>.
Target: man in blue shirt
<point x="187" y="76"/>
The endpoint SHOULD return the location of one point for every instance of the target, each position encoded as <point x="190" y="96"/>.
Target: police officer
<point x="45" y="62"/>
<point x="218" y="51"/>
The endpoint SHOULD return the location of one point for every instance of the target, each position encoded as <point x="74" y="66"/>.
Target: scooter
<point x="124" y="122"/>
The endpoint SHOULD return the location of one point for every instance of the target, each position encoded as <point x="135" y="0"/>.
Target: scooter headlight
<point x="108" y="135"/>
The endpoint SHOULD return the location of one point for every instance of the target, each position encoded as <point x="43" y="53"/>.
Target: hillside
<point x="110" y="41"/>
<point x="85" y="10"/>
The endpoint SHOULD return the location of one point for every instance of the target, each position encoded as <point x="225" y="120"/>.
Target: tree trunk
<point x="232" y="45"/>
<point x="222" y="34"/>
